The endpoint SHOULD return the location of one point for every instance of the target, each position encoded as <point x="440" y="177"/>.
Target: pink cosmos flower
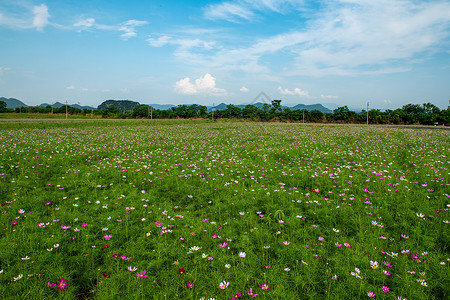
<point x="141" y="274"/>
<point x="236" y="295"/>
<point x="286" y="243"/>
<point x="65" y="227"/>
<point x="224" y="245"/>
<point x="321" y="239"/>
<point x="251" y="294"/>
<point x="107" y="237"/>
<point x="337" y="244"/>
<point x="370" y="294"/>
<point x="62" y="284"/>
<point x="265" y="286"/>
<point x="190" y="285"/>
<point x="14" y="223"/>
<point x="385" y="289"/>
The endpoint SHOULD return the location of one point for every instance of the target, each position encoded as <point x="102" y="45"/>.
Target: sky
<point x="336" y="52"/>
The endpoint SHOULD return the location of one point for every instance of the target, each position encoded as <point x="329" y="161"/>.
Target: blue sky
<point x="347" y="52"/>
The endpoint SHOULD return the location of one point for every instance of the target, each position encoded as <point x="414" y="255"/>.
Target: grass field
<point x="206" y="210"/>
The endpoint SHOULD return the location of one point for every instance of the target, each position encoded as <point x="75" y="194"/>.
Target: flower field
<point x="232" y="210"/>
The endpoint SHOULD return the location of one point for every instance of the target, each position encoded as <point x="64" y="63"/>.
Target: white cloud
<point x="243" y="89"/>
<point x="70" y="87"/>
<point x="387" y="101"/>
<point x="129" y="28"/>
<point x="343" y="37"/>
<point x="159" y="42"/>
<point x="85" y="23"/>
<point x="41" y="16"/>
<point x="85" y="89"/>
<point x="238" y="10"/>
<point x="28" y="18"/>
<point x="296" y="91"/>
<point x="228" y="11"/>
<point x="125" y="91"/>
<point x="328" y="97"/>
<point x="205" y="85"/>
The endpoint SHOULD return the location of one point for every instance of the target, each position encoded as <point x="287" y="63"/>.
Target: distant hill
<point x="319" y="107"/>
<point x="310" y="107"/>
<point x="122" y="105"/>
<point x="161" y="106"/>
<point x="12" y="102"/>
<point x="59" y="104"/>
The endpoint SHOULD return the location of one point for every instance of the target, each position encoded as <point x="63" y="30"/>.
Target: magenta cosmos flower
<point x="385" y="289"/>
<point x="62" y="284"/>
<point x="251" y="294"/>
<point x="141" y="274"/>
<point x="265" y="286"/>
<point x="190" y="285"/>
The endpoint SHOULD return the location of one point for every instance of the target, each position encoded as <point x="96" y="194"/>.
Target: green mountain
<point x="318" y="107"/>
<point x="12" y="102"/>
<point x="121" y="105"/>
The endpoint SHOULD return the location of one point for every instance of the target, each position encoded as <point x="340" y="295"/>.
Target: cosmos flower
<point x="370" y="294"/>
<point x="385" y="289"/>
<point x="190" y="285"/>
<point x="224" y="284"/>
<point x="62" y="284"/>
<point x="242" y="254"/>
<point x="181" y="271"/>
<point x="141" y="274"/>
<point x="251" y="294"/>
<point x="265" y="286"/>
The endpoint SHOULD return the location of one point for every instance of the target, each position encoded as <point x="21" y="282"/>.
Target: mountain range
<point x="15" y="103"/>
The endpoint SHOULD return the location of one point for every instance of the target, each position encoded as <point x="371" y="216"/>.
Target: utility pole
<point x="92" y="112"/>
<point x="212" y="111"/>
<point x="148" y="111"/>
<point x="66" y="109"/>
<point x="367" y="113"/>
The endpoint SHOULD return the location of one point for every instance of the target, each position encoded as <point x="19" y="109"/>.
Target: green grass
<point x="304" y="202"/>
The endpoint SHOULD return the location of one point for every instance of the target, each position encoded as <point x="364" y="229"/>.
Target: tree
<point x="342" y="113"/>
<point x="429" y="108"/>
<point x="233" y="111"/>
<point x="140" y="111"/>
<point x="250" y="111"/>
<point x="276" y="106"/>
<point x="3" y="106"/>
<point x="412" y="108"/>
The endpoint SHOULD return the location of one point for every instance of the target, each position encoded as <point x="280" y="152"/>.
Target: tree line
<point x="425" y="114"/>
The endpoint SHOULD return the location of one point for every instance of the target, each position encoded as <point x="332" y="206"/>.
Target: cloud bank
<point x="205" y="85"/>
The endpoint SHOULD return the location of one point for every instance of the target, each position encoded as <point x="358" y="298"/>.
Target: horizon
<point x="345" y="52"/>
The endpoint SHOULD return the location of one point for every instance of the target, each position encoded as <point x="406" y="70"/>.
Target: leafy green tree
<point x="2" y="106"/>
<point x="342" y="113"/>
<point x="140" y="111"/>
<point x="250" y="111"/>
<point x="276" y="106"/>
<point x="412" y="108"/>
<point x="233" y="111"/>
